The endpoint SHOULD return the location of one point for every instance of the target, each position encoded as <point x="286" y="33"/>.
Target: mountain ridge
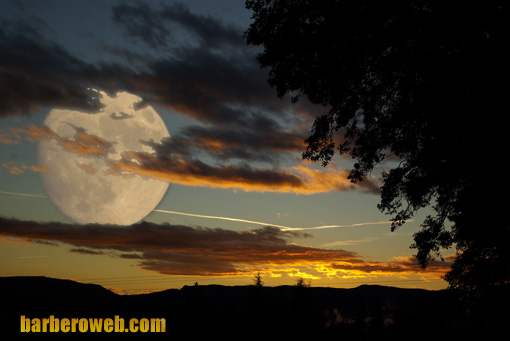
<point x="366" y="312"/>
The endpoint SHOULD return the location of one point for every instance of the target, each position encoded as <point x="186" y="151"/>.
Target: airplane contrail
<point x="281" y="227"/>
<point x="222" y="218"/>
<point x="25" y="194"/>
<point x="334" y="226"/>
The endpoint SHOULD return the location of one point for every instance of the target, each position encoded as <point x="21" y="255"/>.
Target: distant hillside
<point x="241" y="312"/>
<point x="51" y="288"/>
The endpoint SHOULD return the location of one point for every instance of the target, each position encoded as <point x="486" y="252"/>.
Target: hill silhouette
<point x="368" y="312"/>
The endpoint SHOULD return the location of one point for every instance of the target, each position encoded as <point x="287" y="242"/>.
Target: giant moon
<point x="81" y="186"/>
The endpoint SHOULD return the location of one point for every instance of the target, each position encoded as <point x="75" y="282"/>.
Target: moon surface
<point x="80" y="182"/>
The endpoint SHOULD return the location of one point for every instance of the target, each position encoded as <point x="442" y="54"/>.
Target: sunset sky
<point x="240" y="199"/>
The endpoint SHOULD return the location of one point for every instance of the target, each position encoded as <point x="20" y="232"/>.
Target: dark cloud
<point x="207" y="72"/>
<point x="86" y="251"/>
<point x="140" y="21"/>
<point x="182" y="250"/>
<point x="176" y="249"/>
<point x="35" y="74"/>
<point x="174" y="160"/>
<point x="400" y="265"/>
<point x="120" y="116"/>
<point x="212" y="77"/>
<point x="196" y="81"/>
<point x="242" y="143"/>
<point x="273" y="139"/>
<point x="207" y="87"/>
<point x="155" y="27"/>
<point x="194" y="172"/>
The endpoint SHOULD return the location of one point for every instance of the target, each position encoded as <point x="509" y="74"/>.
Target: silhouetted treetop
<point x="420" y="83"/>
<point x="257" y="281"/>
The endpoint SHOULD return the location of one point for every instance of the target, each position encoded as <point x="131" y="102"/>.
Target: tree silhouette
<point x="419" y="85"/>
<point x="257" y="281"/>
<point x="300" y="283"/>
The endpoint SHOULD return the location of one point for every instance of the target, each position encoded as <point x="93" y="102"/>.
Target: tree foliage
<point x="422" y="83"/>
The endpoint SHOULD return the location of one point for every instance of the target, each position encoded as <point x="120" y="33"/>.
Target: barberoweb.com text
<point x="94" y="325"/>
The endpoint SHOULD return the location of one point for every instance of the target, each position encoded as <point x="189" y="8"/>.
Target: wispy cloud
<point x="349" y="242"/>
<point x="25" y="194"/>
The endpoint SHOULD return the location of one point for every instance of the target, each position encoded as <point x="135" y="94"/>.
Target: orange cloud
<point x="42" y="169"/>
<point x="16" y="169"/>
<point x="297" y="179"/>
<point x="217" y="140"/>
<point x="319" y="181"/>
<point x="88" y="169"/>
<point x="13" y="168"/>
<point x="82" y="143"/>
<point x="9" y="139"/>
<point x="184" y="170"/>
<point x="34" y="133"/>
<point x="400" y="265"/>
